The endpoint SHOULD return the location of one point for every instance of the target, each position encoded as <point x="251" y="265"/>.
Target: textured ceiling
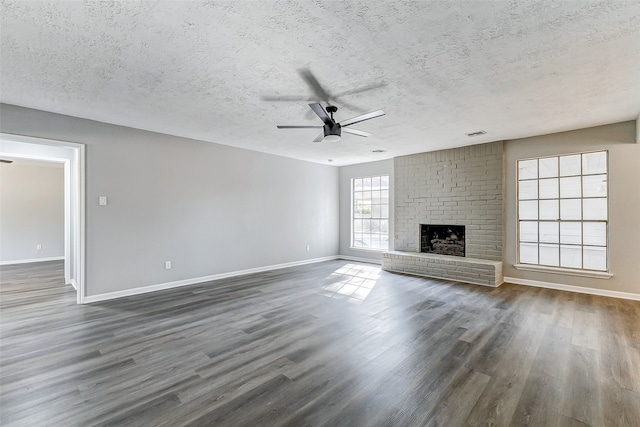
<point x="227" y="72"/>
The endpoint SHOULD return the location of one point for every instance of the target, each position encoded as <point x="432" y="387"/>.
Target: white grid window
<point x="370" y="212"/>
<point x="563" y="211"/>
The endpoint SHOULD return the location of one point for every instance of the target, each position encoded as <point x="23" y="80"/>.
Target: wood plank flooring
<point x="336" y="343"/>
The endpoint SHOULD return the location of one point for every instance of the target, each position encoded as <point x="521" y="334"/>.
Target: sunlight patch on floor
<point x="352" y="282"/>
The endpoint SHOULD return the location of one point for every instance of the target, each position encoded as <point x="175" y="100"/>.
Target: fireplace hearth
<point x="442" y="239"/>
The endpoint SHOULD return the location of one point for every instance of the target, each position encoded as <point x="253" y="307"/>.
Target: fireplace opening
<point x="442" y="239"/>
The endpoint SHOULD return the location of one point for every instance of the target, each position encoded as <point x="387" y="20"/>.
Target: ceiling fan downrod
<point x="331" y="109"/>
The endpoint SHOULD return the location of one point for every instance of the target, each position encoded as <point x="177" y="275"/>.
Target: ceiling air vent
<point x="480" y="132"/>
<point x="378" y="151"/>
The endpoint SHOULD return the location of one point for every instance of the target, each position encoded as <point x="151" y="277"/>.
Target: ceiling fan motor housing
<point x="332" y="131"/>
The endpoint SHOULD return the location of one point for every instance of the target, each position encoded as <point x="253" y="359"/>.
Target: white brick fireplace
<point x="458" y="186"/>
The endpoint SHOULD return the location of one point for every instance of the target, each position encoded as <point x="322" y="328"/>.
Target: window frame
<point x="579" y="271"/>
<point x="353" y="218"/>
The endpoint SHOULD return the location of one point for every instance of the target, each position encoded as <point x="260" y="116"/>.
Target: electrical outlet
<point x="167" y="265"/>
<point x="38" y="247"/>
<point x="308" y="248"/>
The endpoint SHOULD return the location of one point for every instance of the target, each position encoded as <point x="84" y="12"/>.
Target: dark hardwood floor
<point x="331" y="344"/>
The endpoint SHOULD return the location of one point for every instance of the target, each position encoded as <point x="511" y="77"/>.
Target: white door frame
<point x="73" y="156"/>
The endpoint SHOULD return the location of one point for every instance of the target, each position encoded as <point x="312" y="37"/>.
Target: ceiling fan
<point x="332" y="130"/>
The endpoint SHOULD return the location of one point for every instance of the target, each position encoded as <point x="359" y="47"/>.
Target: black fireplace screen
<point x="442" y="239"/>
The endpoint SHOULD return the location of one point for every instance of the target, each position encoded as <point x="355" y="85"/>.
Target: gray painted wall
<point x="383" y="167"/>
<point x="31" y="211"/>
<point x="624" y="200"/>
<point x="207" y="208"/>
<point x="213" y="209"/>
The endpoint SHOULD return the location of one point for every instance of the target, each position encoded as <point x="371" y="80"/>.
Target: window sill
<point x="566" y="271"/>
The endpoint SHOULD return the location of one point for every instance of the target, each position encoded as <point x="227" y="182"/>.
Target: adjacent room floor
<point x="328" y="344"/>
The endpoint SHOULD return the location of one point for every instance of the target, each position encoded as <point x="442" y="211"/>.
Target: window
<point x="563" y="211"/>
<point x="370" y="213"/>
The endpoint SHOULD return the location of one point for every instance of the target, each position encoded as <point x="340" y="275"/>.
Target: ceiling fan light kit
<point x="331" y="138"/>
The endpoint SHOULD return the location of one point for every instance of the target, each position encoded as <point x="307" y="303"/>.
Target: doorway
<point x="72" y="156"/>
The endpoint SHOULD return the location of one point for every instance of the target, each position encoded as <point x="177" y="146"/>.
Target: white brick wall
<point x="461" y="186"/>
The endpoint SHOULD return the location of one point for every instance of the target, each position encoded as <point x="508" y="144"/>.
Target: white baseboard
<point x="197" y="280"/>
<point x="72" y="282"/>
<point x="358" y="259"/>
<point x="571" y="288"/>
<point x="27" y="261"/>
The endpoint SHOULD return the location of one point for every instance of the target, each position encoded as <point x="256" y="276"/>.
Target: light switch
<point x="102" y="200"/>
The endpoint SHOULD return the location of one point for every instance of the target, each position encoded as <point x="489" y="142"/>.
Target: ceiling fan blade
<point x="317" y="108"/>
<point x="356" y="132"/>
<point x="362" y="118"/>
<point x="310" y="114"/>
<point x="314" y="84"/>
<point x="298" y="127"/>
<point x="360" y="89"/>
<point x="285" y="98"/>
<point x="319" y="138"/>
